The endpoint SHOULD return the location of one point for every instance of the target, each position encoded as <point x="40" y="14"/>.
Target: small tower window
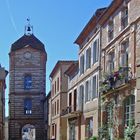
<point x="27" y="106"/>
<point x="27" y="82"/>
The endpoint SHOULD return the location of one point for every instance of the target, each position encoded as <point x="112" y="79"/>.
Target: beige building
<point x="83" y="79"/>
<point x="88" y="76"/>
<point x="73" y="110"/>
<point x="3" y="74"/>
<point x="59" y="88"/>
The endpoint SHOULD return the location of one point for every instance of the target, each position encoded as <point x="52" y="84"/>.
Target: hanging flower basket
<point x="115" y="79"/>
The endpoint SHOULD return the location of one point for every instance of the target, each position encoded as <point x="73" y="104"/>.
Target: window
<point x="95" y="51"/>
<point x="27" y="106"/>
<point x="28" y="82"/>
<point x="110" y="30"/>
<point x="88" y="58"/>
<point x="124" y="17"/>
<point x="55" y="87"/>
<point x="124" y="54"/>
<point x="70" y="99"/>
<point x="129" y="109"/>
<point x="87" y="91"/>
<point x="57" y="106"/>
<point x="52" y="109"/>
<point x="57" y="84"/>
<point x="82" y="64"/>
<point x="111" y="62"/>
<point x="54" y="127"/>
<point x="80" y="98"/>
<point x="75" y="100"/>
<point x="95" y="87"/>
<point x="109" y="120"/>
<point x="89" y="127"/>
<point x="52" y="90"/>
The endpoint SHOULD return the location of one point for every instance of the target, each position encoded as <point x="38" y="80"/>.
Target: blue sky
<point x="57" y="23"/>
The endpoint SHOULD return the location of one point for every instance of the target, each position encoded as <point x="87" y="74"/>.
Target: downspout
<point x="79" y="127"/>
<point x="100" y="77"/>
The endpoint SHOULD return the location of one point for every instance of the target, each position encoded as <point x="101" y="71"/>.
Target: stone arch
<point x="28" y="132"/>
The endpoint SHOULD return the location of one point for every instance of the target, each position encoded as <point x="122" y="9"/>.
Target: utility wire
<point x="11" y="17"/>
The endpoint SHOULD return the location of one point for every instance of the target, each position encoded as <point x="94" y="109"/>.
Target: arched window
<point x="27" y="82"/>
<point x="27" y="106"/>
<point x="129" y="109"/>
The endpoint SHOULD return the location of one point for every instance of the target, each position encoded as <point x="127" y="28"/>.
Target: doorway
<point x="28" y="132"/>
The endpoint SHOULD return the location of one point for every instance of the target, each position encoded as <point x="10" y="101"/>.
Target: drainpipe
<point x="100" y="77"/>
<point x="79" y="127"/>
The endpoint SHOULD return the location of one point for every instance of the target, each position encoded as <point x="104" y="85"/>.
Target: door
<point x="72" y="131"/>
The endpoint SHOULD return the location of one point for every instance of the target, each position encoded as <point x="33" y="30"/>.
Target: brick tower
<point x="27" y="87"/>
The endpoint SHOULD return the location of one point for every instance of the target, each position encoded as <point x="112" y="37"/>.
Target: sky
<point x="57" y="23"/>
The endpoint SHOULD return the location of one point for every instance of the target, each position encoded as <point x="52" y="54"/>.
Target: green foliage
<point x="94" y="138"/>
<point x="103" y="132"/>
<point x="130" y="131"/>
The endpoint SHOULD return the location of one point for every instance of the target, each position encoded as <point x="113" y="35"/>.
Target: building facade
<point x="3" y="74"/>
<point x="59" y="89"/>
<point x="47" y="115"/>
<point x="89" y="42"/>
<point x="27" y="88"/>
<point x="71" y="111"/>
<point x="106" y="85"/>
<point x="119" y="93"/>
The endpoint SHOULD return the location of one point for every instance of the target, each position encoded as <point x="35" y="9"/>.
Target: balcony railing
<point x="68" y="110"/>
<point x="116" y="79"/>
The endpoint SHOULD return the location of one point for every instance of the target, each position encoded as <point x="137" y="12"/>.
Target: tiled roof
<point x="90" y="26"/>
<point x="60" y="62"/>
<point x="72" y="69"/>
<point x="30" y="40"/>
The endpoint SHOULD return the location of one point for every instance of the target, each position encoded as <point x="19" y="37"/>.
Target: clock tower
<point x="27" y="87"/>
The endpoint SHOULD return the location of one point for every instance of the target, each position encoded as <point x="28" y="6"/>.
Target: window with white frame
<point x="89" y="127"/>
<point x="110" y="30"/>
<point x="110" y="115"/>
<point x="88" y="58"/>
<point x="95" y="51"/>
<point x="80" y="97"/>
<point x="87" y="91"/>
<point x="124" y="53"/>
<point x="81" y="64"/>
<point x="27" y="106"/>
<point x="111" y="61"/>
<point x="95" y="86"/>
<point x="129" y="109"/>
<point x="124" y="17"/>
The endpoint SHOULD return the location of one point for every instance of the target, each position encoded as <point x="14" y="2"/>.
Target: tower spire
<point x="28" y="28"/>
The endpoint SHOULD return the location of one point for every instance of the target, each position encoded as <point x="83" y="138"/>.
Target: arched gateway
<point x="28" y="132"/>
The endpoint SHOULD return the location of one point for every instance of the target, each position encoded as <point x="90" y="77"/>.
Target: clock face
<point x="27" y="55"/>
